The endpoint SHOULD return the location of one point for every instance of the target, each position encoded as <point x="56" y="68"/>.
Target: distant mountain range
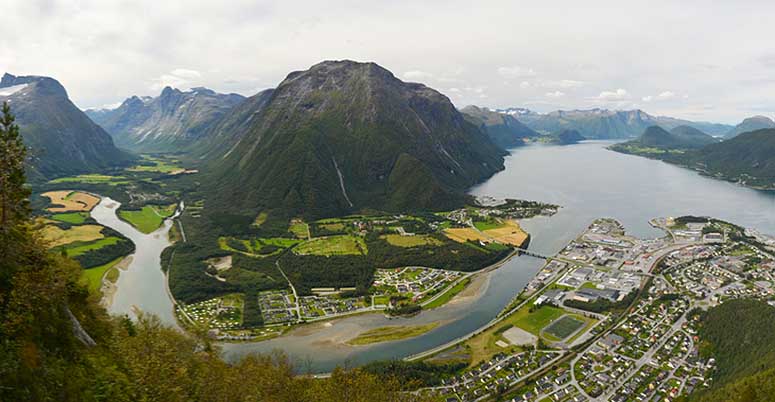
<point x="604" y="123"/>
<point x="344" y="136"/>
<point x="62" y="139"/>
<point x="751" y="124"/>
<point x="504" y="130"/>
<point x="171" y="121"/>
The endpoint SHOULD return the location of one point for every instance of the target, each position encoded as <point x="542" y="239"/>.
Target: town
<point x="614" y="318"/>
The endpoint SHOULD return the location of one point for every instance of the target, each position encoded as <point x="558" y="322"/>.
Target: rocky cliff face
<point x="62" y="139"/>
<point x="172" y="121"/>
<point x="344" y="136"/>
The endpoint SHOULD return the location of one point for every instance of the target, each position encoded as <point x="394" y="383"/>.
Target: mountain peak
<point x="344" y="135"/>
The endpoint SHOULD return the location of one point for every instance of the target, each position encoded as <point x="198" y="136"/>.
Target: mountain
<point x="604" y="123"/>
<point x="344" y="136"/>
<point x="751" y="124"/>
<point x="504" y="130"/>
<point x="62" y="139"/>
<point x="567" y="137"/>
<point x="748" y="158"/>
<point x="691" y="137"/>
<point x="681" y="137"/>
<point x="170" y="122"/>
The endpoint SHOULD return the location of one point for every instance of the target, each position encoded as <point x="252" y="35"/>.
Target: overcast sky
<point x="690" y="59"/>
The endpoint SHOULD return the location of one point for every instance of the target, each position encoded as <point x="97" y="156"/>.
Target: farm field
<point x="260" y="218"/>
<point x="67" y="201"/>
<point x="391" y="333"/>
<point x="509" y="233"/>
<point x="149" y="218"/>
<point x="92" y="179"/>
<point x="74" y="250"/>
<point x="84" y="233"/>
<point x="462" y="235"/>
<point x="75" y="218"/>
<point x="299" y="229"/>
<point x="257" y="247"/>
<point x="411" y="241"/>
<point x="158" y="165"/>
<point x="333" y="245"/>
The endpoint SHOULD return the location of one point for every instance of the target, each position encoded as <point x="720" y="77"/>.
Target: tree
<point x="14" y="205"/>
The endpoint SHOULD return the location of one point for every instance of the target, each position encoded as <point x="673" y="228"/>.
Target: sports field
<point x="564" y="327"/>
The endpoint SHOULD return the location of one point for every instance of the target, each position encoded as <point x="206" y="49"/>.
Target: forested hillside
<point x="740" y="334"/>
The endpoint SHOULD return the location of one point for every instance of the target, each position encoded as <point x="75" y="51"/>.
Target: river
<point x="586" y="179"/>
<point x="142" y="285"/>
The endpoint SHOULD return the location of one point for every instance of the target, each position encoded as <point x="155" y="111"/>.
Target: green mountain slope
<point x="748" y="158"/>
<point x="170" y="122"/>
<point x="63" y="140"/>
<point x="343" y="136"/>
<point x="503" y="129"/>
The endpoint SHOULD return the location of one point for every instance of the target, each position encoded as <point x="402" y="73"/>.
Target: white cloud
<point x="417" y="75"/>
<point x="454" y="90"/>
<point x="665" y="95"/>
<point x="524" y="85"/>
<point x="555" y="94"/>
<point x="563" y="84"/>
<point x="181" y="78"/>
<point x="617" y="95"/>
<point x="186" y="73"/>
<point x="516" y="72"/>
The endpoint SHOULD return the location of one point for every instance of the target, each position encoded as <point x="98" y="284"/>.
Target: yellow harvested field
<point x="57" y="237"/>
<point x="462" y="235"/>
<point x="510" y="233"/>
<point x="67" y="200"/>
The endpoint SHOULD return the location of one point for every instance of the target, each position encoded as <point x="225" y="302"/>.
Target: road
<point x="293" y="289"/>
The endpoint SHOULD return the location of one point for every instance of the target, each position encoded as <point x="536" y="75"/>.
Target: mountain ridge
<point x="63" y="140"/>
<point x="172" y="121"/>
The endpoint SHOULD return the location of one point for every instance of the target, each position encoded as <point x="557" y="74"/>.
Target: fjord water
<point x="142" y="285"/>
<point x="587" y="180"/>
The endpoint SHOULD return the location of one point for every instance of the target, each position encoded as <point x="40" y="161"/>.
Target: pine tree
<point x="14" y="205"/>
